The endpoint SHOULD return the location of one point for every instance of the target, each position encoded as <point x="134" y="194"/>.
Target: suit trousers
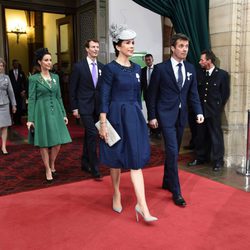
<point x="17" y="117"/>
<point x="172" y="139"/>
<point x="89" y="154"/>
<point x="209" y="141"/>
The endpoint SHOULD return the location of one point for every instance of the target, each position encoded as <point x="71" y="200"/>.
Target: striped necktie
<point x="180" y="76"/>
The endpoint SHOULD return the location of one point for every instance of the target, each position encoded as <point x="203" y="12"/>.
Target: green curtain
<point x="189" y="17"/>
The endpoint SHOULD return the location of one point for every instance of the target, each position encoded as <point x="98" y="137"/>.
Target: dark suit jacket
<point x="144" y="84"/>
<point x="18" y="85"/>
<point x="165" y="97"/>
<point x="83" y="94"/>
<point x="214" y="91"/>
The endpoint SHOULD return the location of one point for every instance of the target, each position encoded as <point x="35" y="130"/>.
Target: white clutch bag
<point x="113" y="137"/>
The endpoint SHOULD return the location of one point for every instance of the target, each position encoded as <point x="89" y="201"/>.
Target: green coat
<point x="45" y="109"/>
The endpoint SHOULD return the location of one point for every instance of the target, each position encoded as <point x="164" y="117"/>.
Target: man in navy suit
<point x="84" y="96"/>
<point x="18" y="81"/>
<point x="213" y="88"/>
<point x="145" y="79"/>
<point x="172" y="86"/>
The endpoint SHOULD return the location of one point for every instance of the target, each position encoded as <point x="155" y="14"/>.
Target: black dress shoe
<point x="179" y="201"/>
<point x="97" y="176"/>
<point x="189" y="147"/>
<point x="86" y="169"/>
<point x="195" y="163"/>
<point x="217" y="167"/>
<point x="165" y="187"/>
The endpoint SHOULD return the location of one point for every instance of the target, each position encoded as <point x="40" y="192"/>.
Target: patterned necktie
<point x="16" y="74"/>
<point x="94" y="73"/>
<point x="149" y="75"/>
<point x="180" y="76"/>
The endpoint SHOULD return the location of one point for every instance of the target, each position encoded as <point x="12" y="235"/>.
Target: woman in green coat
<point x="46" y="113"/>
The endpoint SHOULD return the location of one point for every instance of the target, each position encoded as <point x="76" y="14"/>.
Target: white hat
<point x="121" y="32"/>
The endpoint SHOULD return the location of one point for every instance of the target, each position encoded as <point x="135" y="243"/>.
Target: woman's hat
<point x="121" y="32"/>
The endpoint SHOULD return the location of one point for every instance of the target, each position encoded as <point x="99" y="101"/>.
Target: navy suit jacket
<point x="18" y="85"/>
<point x="144" y="85"/>
<point x="164" y="96"/>
<point x="84" y="96"/>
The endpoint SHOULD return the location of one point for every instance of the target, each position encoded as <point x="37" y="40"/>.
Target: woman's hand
<point x="30" y="124"/>
<point x="66" y="120"/>
<point x="103" y="132"/>
<point x="13" y="109"/>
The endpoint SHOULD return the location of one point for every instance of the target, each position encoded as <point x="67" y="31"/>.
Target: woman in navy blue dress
<point x="121" y="105"/>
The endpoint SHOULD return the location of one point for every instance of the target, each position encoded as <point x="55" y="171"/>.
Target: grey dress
<point x="6" y="96"/>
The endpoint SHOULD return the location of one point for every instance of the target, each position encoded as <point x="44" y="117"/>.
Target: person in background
<point x="172" y="87"/>
<point x="18" y="81"/>
<point x="121" y="105"/>
<point x="214" y="91"/>
<point x="145" y="79"/>
<point x="46" y="113"/>
<point x="84" y="97"/>
<point x="7" y="96"/>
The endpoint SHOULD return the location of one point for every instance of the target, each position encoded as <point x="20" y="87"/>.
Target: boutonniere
<point x="100" y="72"/>
<point x="54" y="80"/>
<point x="188" y="75"/>
<point x="5" y="79"/>
<point x="138" y="77"/>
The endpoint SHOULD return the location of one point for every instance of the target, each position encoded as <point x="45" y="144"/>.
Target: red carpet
<point x="79" y="216"/>
<point x="23" y="170"/>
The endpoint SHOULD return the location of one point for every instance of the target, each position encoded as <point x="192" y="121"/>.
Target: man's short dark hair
<point x="209" y="55"/>
<point x="148" y="55"/>
<point x="90" y="40"/>
<point x="178" y="36"/>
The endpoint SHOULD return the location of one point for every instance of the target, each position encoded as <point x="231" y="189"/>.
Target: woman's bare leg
<point x="54" y="152"/>
<point x="138" y="183"/>
<point x="4" y="139"/>
<point x="115" y="177"/>
<point x="45" y="157"/>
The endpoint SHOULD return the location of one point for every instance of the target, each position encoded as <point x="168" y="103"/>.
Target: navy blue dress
<point x="121" y="101"/>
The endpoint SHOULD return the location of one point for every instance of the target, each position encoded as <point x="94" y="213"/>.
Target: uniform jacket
<point x="6" y="91"/>
<point x="165" y="97"/>
<point x="214" y="91"/>
<point x="84" y="96"/>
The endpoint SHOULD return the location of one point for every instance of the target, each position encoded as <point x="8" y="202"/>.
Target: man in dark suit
<point x="173" y="84"/>
<point x="84" y="96"/>
<point x="18" y="81"/>
<point x="145" y="79"/>
<point x="213" y="88"/>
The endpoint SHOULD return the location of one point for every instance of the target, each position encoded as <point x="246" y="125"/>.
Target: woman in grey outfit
<point x="6" y="96"/>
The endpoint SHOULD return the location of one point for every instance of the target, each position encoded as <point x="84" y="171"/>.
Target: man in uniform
<point x="213" y="88"/>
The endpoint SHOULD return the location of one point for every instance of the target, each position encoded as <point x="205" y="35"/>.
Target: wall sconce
<point x="18" y="31"/>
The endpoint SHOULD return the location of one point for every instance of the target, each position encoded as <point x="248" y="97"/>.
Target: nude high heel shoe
<point x="146" y="219"/>
<point x="117" y="209"/>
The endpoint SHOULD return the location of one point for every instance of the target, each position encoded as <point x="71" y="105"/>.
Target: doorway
<point x="29" y="30"/>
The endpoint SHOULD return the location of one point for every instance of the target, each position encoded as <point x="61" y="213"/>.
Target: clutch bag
<point x="113" y="137"/>
<point x="31" y="134"/>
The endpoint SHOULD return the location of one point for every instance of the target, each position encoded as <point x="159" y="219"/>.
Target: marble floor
<point x="228" y="176"/>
